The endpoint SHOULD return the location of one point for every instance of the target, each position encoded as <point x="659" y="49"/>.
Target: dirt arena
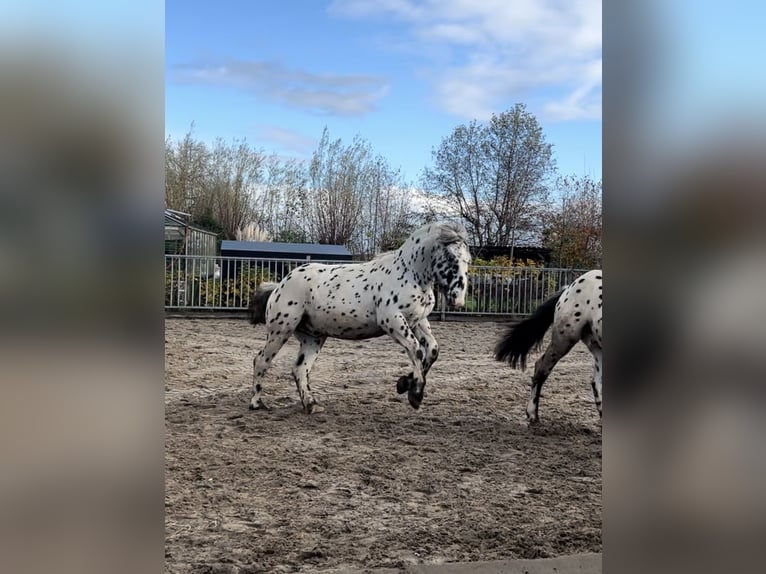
<point x="370" y="482"/>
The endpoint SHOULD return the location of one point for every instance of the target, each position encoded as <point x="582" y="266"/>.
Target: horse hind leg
<point x="595" y="350"/>
<point x="263" y="360"/>
<point x="309" y="351"/>
<point x="558" y="347"/>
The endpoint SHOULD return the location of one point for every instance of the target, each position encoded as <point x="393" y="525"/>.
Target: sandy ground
<point x="370" y="482"/>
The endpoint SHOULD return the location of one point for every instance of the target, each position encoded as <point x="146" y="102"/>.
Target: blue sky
<point x="401" y="73"/>
<point x="705" y="80"/>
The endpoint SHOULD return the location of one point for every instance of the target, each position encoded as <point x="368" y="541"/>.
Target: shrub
<point x="230" y="292"/>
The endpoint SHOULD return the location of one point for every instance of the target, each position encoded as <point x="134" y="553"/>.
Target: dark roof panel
<point x="282" y="248"/>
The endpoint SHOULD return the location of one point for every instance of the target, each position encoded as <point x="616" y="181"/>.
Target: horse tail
<point x="257" y="307"/>
<point x="521" y="338"/>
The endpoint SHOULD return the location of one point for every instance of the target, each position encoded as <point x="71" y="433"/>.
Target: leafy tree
<point x="573" y="225"/>
<point x="207" y="221"/>
<point x="290" y="236"/>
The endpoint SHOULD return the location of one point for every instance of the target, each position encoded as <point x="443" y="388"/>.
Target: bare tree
<point x="345" y="195"/>
<point x="186" y="164"/>
<point x="494" y="175"/>
<point x="336" y="181"/>
<point x="215" y="186"/>
<point x="386" y="210"/>
<point x="396" y="219"/>
<point x="279" y="203"/>
<point x="354" y="198"/>
<point x="234" y="173"/>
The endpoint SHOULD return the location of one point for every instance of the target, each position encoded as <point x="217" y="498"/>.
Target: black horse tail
<point x="257" y="307"/>
<point x="521" y="338"/>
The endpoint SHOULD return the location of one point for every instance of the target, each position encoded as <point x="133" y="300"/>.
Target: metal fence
<point x="227" y="283"/>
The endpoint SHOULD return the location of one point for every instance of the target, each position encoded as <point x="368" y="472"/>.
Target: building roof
<point x="303" y="249"/>
<point x="177" y="219"/>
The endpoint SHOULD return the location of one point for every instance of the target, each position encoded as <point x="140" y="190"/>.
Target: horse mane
<point x="452" y="232"/>
<point x="383" y="254"/>
<point x="448" y="232"/>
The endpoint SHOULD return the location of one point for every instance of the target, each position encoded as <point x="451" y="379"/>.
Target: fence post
<point x="443" y="300"/>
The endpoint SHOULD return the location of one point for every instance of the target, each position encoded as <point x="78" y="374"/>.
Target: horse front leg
<point x="399" y="330"/>
<point x="422" y="331"/>
<point x="428" y="344"/>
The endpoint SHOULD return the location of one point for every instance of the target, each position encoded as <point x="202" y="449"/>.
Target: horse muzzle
<point x="458" y="302"/>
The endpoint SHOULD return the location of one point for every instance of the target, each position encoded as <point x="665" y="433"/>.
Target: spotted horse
<point x="392" y="295"/>
<point x="575" y="315"/>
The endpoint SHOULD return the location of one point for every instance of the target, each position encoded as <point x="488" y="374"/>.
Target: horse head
<point x="450" y="261"/>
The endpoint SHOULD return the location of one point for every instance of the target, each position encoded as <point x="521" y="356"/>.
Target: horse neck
<point x="417" y="259"/>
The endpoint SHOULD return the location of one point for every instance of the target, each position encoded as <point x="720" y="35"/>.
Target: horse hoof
<point x="259" y="406"/>
<point x="403" y="384"/>
<point x="415" y="400"/>
<point x="314" y="408"/>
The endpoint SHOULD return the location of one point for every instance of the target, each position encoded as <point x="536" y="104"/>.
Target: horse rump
<point x="515" y="345"/>
<point x="259" y="301"/>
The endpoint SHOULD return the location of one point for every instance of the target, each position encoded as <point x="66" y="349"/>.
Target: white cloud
<point x="345" y="95"/>
<point x="584" y="102"/>
<point x="546" y="53"/>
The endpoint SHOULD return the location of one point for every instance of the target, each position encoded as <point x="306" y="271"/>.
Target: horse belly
<point x="344" y="326"/>
<point x="359" y="333"/>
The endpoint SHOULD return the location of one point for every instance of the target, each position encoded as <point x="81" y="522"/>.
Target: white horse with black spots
<point x="575" y="314"/>
<point x="391" y="295"/>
